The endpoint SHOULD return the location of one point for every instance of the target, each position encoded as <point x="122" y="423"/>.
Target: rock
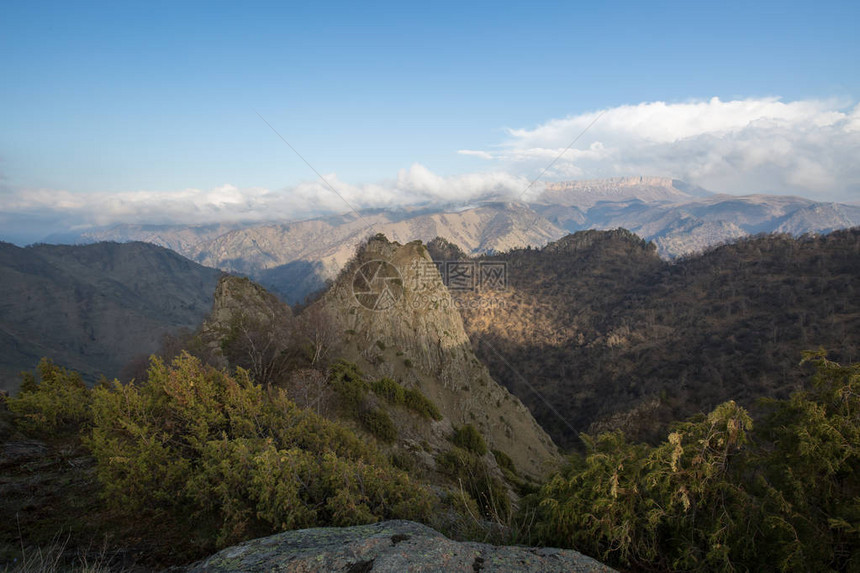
<point x="423" y="323"/>
<point x="388" y="547"/>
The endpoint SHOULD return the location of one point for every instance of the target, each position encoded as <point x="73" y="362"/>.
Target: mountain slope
<point x="614" y="337"/>
<point x="436" y="357"/>
<point x="386" y="314"/>
<point x="93" y="308"/>
<point x="586" y="194"/>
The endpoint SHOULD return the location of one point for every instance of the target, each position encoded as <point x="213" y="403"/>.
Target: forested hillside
<point x="613" y="337"/>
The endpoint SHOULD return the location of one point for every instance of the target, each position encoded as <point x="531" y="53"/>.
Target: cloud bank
<point x="28" y="215"/>
<point x="753" y="145"/>
<point x="809" y="148"/>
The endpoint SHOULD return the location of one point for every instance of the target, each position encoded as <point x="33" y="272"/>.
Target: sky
<point x="184" y="112"/>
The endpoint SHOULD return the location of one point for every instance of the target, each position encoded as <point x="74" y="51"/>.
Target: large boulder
<point x="388" y="547"/>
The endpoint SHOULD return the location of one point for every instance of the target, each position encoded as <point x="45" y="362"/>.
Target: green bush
<point x="489" y="493"/>
<point x="348" y="383"/>
<point x="719" y="495"/>
<point x="421" y="404"/>
<point x="216" y="449"/>
<point x="58" y="400"/>
<point x="505" y="462"/>
<point x="469" y="438"/>
<point x="389" y="390"/>
<point x="378" y="423"/>
<point x="394" y="393"/>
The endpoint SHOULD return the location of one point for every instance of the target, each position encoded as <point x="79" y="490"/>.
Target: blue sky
<point x="105" y="99"/>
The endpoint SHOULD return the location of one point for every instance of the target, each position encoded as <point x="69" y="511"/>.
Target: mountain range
<point x="296" y="258"/>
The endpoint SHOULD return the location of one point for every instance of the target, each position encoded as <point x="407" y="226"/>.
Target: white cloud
<point x="63" y="210"/>
<point x="741" y="146"/>
<point x="753" y="145"/>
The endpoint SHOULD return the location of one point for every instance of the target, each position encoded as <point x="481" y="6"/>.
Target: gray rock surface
<point x="388" y="547"/>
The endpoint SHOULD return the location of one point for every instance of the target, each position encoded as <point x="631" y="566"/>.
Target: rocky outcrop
<point x="407" y="326"/>
<point x="239" y="298"/>
<point x="388" y="547"/>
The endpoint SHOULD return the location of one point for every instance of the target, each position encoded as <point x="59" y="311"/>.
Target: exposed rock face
<point x="237" y="295"/>
<point x="418" y="338"/>
<point x="239" y="302"/>
<point x="388" y="547"/>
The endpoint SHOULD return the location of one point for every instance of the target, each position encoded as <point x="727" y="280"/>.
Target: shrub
<point x="378" y="423"/>
<point x="489" y="493"/>
<point x="505" y="462"/>
<point x="469" y="438"/>
<point x="348" y="382"/>
<point x="59" y="399"/>
<point x="421" y="404"/>
<point x="215" y="449"/>
<point x="389" y="390"/>
<point x="413" y="399"/>
<point x="717" y="495"/>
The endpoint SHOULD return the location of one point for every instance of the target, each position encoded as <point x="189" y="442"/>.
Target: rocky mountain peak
<point x="401" y="321"/>
<point x="235" y="295"/>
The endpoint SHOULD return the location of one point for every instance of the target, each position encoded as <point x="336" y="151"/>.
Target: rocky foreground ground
<point x="388" y="547"/>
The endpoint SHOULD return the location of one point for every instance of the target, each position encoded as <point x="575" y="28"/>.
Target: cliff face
<point x="238" y="296"/>
<point x="244" y="309"/>
<point x="401" y="321"/>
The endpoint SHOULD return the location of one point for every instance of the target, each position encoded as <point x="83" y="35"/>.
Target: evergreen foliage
<point x="421" y="404"/>
<point x="394" y="393"/>
<point x="469" y="438"/>
<point x="717" y="495"/>
<point x="470" y="471"/>
<point x="57" y="400"/>
<point x="221" y="454"/>
<point x="379" y="424"/>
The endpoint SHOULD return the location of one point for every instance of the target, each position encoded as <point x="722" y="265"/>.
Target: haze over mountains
<point x="295" y="258"/>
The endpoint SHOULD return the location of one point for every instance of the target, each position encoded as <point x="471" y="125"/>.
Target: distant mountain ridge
<point x="585" y="194"/>
<point x="296" y="258"/>
<point x="94" y="307"/>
